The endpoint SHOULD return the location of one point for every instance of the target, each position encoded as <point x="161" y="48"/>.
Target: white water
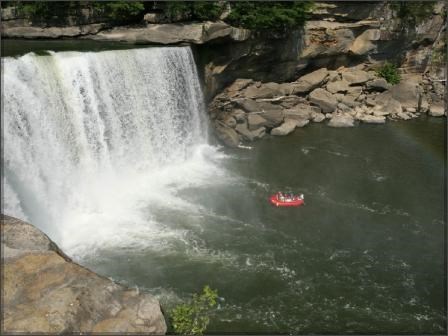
<point x="90" y="139"/>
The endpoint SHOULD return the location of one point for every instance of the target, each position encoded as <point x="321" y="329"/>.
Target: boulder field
<point x="44" y="291"/>
<point x="248" y="110"/>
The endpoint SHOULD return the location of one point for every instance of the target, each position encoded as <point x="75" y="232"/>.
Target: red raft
<point x="280" y="200"/>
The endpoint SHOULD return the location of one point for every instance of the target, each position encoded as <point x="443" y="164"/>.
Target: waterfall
<point x="90" y="138"/>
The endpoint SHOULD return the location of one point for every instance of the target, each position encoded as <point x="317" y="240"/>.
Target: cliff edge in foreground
<point x="44" y="291"/>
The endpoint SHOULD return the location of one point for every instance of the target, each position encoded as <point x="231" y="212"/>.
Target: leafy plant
<point x="276" y="15"/>
<point x="389" y="72"/>
<point x="192" y="318"/>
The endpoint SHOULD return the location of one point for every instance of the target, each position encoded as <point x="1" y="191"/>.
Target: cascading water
<point x="92" y="138"/>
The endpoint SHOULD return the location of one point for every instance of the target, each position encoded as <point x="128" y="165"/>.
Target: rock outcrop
<point x="45" y="292"/>
<point x="250" y="110"/>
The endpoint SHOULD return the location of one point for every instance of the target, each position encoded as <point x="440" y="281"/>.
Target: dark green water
<point x="364" y="255"/>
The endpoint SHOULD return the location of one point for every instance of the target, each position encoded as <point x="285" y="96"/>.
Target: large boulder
<point x="248" y="134"/>
<point x="256" y="121"/>
<point x="287" y="127"/>
<point x="407" y="92"/>
<point x="387" y="105"/>
<point x="247" y="105"/>
<point x="379" y="84"/>
<point x="341" y="120"/>
<point x="301" y="111"/>
<point x="355" y="77"/>
<point x="45" y="292"/>
<point x="324" y="99"/>
<point x="273" y="117"/>
<point x="267" y="90"/>
<point x="227" y="135"/>
<point x="310" y="81"/>
<point x="363" y="43"/>
<point x="338" y="86"/>
<point x="437" y="109"/>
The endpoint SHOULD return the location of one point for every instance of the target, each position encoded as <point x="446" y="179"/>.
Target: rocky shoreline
<point x="44" y="291"/>
<point x="248" y="110"/>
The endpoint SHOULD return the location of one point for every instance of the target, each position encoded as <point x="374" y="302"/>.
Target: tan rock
<point x="45" y="292"/>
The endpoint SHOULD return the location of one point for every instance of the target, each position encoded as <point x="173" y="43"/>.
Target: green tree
<point x="192" y="318"/>
<point x="276" y="15"/>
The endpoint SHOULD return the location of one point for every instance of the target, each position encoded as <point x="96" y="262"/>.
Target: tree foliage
<point x="193" y="10"/>
<point x="389" y="72"/>
<point x="192" y="318"/>
<point x="260" y="15"/>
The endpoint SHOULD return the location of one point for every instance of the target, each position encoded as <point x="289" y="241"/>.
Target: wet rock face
<point x="45" y="292"/>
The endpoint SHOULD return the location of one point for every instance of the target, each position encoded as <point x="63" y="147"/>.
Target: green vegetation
<point x="412" y="12"/>
<point x="120" y="11"/>
<point x="389" y="72"/>
<point x="116" y="11"/>
<point x="192" y="318"/>
<point x="257" y="15"/>
<point x="260" y="15"/>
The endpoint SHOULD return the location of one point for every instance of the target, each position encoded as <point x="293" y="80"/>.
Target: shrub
<point x="389" y="72"/>
<point x="193" y="318"/>
<point x="260" y="15"/>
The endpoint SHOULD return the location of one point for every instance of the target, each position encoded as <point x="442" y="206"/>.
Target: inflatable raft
<point x="283" y="201"/>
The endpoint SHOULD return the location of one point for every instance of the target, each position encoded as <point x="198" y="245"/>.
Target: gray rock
<point x="317" y="117"/>
<point x="248" y="105"/>
<point x="172" y="33"/>
<point x="379" y="84"/>
<point x="337" y="86"/>
<point x="256" y="121"/>
<point x="228" y="136"/>
<point x="355" y="77"/>
<point x="301" y="111"/>
<point x="363" y="43"/>
<point x="372" y="119"/>
<point x="310" y="81"/>
<point x="387" y="105"/>
<point x="407" y="92"/>
<point x="349" y="101"/>
<point x="273" y="117"/>
<point x="341" y="120"/>
<point x="437" y="109"/>
<point x="324" y="99"/>
<point x="238" y="85"/>
<point x="287" y="127"/>
<point x="230" y="121"/>
<point x="248" y="134"/>
<point x="267" y="90"/>
<point x="239" y="116"/>
<point x="290" y="101"/>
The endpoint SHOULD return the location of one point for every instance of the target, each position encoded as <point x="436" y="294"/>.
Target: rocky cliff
<point x="44" y="291"/>
<point x="339" y="33"/>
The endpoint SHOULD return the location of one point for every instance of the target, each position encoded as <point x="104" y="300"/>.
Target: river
<point x="365" y="254"/>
